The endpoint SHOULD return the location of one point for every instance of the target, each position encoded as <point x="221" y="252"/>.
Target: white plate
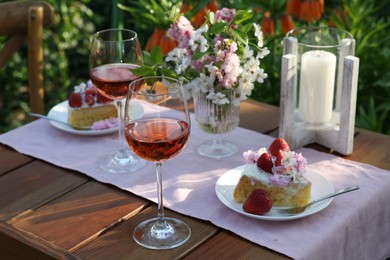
<point x="225" y="185"/>
<point x="60" y="112"/>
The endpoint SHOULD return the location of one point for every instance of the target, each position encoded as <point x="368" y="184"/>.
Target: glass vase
<point x="216" y="119"/>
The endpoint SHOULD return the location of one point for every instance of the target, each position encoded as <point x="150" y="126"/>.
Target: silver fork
<point x="297" y="210"/>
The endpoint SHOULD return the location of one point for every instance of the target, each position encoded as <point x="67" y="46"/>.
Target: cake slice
<point x="87" y="106"/>
<point x="278" y="171"/>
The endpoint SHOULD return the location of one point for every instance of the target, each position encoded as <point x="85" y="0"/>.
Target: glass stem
<point x="160" y="219"/>
<point x="217" y="144"/>
<point x="120" y="116"/>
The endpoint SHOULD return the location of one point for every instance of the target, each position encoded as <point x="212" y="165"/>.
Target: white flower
<point x="259" y="35"/>
<point x="198" y="41"/>
<point x="252" y="67"/>
<point x="264" y="52"/>
<point x="206" y="83"/>
<point x="80" y="88"/>
<point x="214" y="71"/>
<point x="261" y="76"/>
<point x="248" y="53"/>
<point x="218" y="98"/>
<point x="180" y="58"/>
<point x="238" y="96"/>
<point x="246" y="85"/>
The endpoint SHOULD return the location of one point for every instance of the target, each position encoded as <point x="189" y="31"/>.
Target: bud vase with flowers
<point x="219" y="65"/>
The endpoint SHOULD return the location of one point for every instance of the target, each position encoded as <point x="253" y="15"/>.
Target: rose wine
<point x="157" y="139"/>
<point x="112" y="80"/>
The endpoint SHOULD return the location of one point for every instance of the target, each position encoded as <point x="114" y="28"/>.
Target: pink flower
<point x="300" y="162"/>
<point x="231" y="67"/>
<point x="105" y="124"/>
<point x="225" y="14"/>
<point x="279" y="180"/>
<point x="181" y="31"/>
<point x="251" y="156"/>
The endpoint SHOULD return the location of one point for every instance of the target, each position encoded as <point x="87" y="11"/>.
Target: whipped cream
<point x="292" y="168"/>
<point x="253" y="172"/>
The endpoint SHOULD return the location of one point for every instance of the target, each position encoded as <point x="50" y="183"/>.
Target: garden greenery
<point x="66" y="44"/>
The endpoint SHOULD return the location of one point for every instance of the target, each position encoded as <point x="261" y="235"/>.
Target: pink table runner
<point x="354" y="226"/>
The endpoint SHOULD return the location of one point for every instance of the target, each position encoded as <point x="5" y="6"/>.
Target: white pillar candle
<point x="317" y="78"/>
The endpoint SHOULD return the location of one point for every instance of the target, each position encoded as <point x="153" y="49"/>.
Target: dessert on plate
<point x="279" y="172"/>
<point x="87" y="106"/>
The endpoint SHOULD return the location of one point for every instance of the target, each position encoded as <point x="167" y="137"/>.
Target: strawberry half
<point x="75" y="100"/>
<point x="90" y="91"/>
<point x="89" y="99"/>
<point x="278" y="144"/>
<point x="279" y="158"/>
<point x="265" y="162"/>
<point x="258" y="202"/>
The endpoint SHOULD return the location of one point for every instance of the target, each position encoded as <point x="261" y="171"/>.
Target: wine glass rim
<point x="158" y="78"/>
<point x="132" y="38"/>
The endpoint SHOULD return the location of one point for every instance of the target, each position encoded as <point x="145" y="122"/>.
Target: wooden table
<point x="49" y="212"/>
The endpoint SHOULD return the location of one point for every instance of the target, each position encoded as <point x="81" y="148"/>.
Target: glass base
<point x="217" y="149"/>
<point x="168" y="234"/>
<point x="122" y="161"/>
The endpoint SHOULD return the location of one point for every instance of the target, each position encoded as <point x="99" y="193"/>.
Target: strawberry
<point x="90" y="91"/>
<point x="265" y="162"/>
<point x="258" y="202"/>
<point x="75" y="100"/>
<point x="89" y="99"/>
<point x="102" y="99"/>
<point x="279" y="157"/>
<point x="278" y="144"/>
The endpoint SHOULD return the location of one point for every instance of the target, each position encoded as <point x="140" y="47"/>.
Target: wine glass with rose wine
<point x="158" y="134"/>
<point x="113" y="53"/>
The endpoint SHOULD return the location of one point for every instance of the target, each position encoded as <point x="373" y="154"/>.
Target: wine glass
<point x="157" y="134"/>
<point x="113" y="53"/>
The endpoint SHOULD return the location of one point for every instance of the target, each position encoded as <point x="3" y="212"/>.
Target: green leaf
<point x="197" y="55"/>
<point x="147" y="59"/>
<point x="242" y="16"/>
<point x="157" y="55"/>
<point x="143" y="71"/>
<point x="241" y="36"/>
<point x="247" y="27"/>
<point x="217" y="28"/>
<point x="168" y="72"/>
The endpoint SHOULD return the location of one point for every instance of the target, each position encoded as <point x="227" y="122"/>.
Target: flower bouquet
<point x="223" y="54"/>
<point x="219" y="65"/>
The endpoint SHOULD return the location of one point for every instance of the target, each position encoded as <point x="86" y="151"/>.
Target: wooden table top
<point x="50" y="212"/>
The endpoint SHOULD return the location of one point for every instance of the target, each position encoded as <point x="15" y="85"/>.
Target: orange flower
<point x="287" y="23"/>
<point x="212" y="6"/>
<point x="167" y="44"/>
<point x="185" y="7"/>
<point x="311" y="10"/>
<point x="159" y="38"/>
<point x="268" y="24"/>
<point x="154" y="39"/>
<point x="200" y="17"/>
<point x="294" y="7"/>
<point x="321" y="3"/>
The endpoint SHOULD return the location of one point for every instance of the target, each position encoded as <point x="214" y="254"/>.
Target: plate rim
<point x="64" y="105"/>
<point x="230" y="204"/>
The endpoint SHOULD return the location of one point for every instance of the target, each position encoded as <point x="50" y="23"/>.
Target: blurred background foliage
<point x="66" y="44"/>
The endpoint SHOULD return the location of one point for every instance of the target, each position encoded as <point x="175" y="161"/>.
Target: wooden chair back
<point x="21" y="21"/>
